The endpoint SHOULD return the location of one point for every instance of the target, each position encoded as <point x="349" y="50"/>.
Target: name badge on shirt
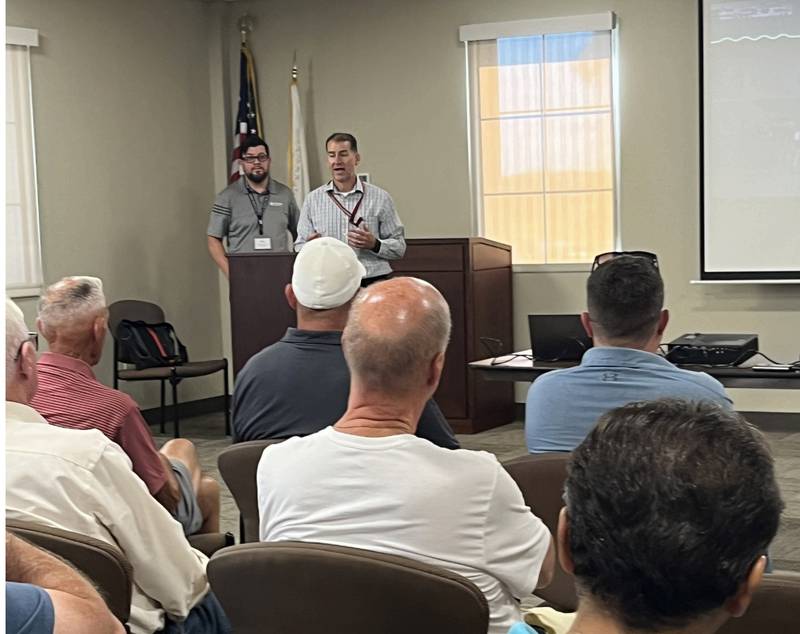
<point x="274" y="204"/>
<point x="262" y="244"/>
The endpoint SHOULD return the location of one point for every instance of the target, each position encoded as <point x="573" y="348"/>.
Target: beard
<point x="259" y="177"/>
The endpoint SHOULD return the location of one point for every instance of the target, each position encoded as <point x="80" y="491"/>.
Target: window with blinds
<point x="23" y="253"/>
<point x="543" y="140"/>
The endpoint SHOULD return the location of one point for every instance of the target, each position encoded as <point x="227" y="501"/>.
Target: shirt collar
<point x="18" y="412"/>
<point x="64" y="362"/>
<point x="249" y="190"/>
<point x="295" y="335"/>
<point x="358" y="188"/>
<point x="621" y="356"/>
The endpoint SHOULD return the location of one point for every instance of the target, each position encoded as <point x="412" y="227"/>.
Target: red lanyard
<point x="350" y="214"/>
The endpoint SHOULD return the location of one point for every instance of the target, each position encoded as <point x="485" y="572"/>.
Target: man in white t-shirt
<point x="369" y="482"/>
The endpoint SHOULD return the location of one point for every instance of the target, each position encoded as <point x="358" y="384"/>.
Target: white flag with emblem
<point x="298" y="159"/>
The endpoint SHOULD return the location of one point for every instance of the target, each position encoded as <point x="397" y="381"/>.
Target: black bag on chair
<point x="150" y="345"/>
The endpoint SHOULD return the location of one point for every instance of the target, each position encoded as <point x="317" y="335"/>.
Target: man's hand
<point x="170" y="494"/>
<point x="218" y="254"/>
<point x="360" y="238"/>
<point x="314" y="236"/>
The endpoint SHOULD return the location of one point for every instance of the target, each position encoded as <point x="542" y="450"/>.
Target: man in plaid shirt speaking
<point x="357" y="213"/>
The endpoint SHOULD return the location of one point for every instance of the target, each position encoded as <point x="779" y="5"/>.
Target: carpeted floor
<point x="507" y="442"/>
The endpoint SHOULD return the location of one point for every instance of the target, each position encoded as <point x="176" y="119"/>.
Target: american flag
<point x="248" y="118"/>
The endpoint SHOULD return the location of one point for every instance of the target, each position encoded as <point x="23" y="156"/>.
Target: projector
<point x="699" y="349"/>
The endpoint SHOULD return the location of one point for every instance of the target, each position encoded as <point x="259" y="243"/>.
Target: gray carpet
<point x="507" y="442"/>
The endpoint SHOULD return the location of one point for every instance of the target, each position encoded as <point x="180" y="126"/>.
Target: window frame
<point x="28" y="38"/>
<point x="472" y="34"/>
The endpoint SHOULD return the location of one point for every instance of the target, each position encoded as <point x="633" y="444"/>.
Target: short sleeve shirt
<point x="235" y="215"/>
<point x="563" y="405"/>
<point x="29" y="609"/>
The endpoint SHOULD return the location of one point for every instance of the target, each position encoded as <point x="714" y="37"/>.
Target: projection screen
<point x="750" y="139"/>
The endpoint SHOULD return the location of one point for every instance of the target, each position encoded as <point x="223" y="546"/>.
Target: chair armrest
<point x="209" y="543"/>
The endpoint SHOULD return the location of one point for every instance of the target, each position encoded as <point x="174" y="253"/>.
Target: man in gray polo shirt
<point x="255" y="213"/>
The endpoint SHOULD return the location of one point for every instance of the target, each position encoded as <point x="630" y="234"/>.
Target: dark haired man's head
<point x="343" y="158"/>
<point x="255" y="159"/>
<point x="670" y="508"/>
<point x="342" y="137"/>
<point x="625" y="299"/>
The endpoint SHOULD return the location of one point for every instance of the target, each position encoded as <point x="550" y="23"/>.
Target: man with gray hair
<point x="368" y="482"/>
<point x="80" y="481"/>
<point x="74" y="320"/>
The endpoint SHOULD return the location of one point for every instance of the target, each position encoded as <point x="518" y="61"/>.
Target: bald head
<point x="72" y="317"/>
<point x="395" y="332"/>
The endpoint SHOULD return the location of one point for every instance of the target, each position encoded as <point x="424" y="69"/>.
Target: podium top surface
<point x="263" y="254"/>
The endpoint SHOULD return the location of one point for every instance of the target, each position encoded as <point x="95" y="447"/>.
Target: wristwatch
<point x="377" y="246"/>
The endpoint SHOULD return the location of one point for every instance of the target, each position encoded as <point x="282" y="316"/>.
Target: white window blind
<point x="542" y="136"/>
<point x="23" y="252"/>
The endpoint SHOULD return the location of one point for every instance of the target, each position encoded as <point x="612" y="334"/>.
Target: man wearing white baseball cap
<point x="300" y="384"/>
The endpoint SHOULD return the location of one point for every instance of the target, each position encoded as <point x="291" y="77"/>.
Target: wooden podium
<point x="473" y="275"/>
<point x="259" y="312"/>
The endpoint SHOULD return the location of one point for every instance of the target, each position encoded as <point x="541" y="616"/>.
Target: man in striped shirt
<point x="73" y="319"/>
<point x="357" y="213"/>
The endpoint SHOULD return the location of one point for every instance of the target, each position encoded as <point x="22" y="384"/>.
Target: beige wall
<point x="122" y="114"/>
<point x="393" y="73"/>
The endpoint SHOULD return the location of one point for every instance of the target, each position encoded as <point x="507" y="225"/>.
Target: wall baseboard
<point x="187" y="409"/>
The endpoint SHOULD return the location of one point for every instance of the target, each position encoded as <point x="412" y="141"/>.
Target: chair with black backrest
<point x="105" y="565"/>
<point x="268" y="585"/>
<point x="541" y="478"/>
<point x="237" y="466"/>
<point x="137" y="310"/>
<point x="775" y="606"/>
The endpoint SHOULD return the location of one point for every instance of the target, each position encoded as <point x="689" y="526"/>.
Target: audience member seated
<point x="80" y="481"/>
<point x="45" y="595"/>
<point x="670" y="507"/>
<point x="368" y="482"/>
<point x="626" y="319"/>
<point x="299" y="385"/>
<point x="73" y="319"/>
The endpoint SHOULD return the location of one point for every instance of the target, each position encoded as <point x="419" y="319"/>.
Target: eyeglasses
<point x="610" y="255"/>
<point x="250" y="159"/>
<point x="33" y="337"/>
<point x="495" y="347"/>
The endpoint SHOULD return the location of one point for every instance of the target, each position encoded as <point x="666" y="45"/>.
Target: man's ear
<point x="586" y="321"/>
<point x="562" y="541"/>
<point x="358" y="158"/>
<point x="663" y="320"/>
<point x="99" y="327"/>
<point x="40" y="328"/>
<point x="435" y="370"/>
<point x="27" y="360"/>
<point x="737" y="605"/>
<point x="290" y="297"/>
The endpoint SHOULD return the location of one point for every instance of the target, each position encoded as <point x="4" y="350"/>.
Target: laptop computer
<point x="558" y="337"/>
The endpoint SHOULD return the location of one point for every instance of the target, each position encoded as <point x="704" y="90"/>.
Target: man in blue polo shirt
<point x="626" y="319"/>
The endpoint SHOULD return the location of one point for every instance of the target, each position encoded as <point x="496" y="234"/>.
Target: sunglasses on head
<point x="610" y="255"/>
